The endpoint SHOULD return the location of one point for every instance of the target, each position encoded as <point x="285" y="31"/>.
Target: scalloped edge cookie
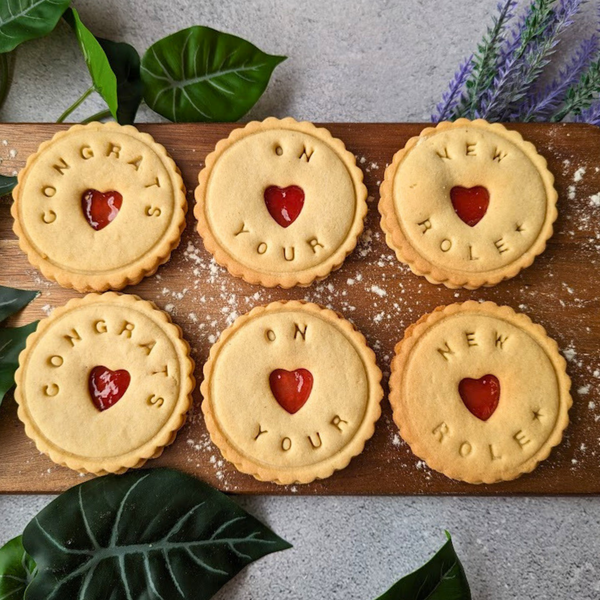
<point x="419" y="265"/>
<point x="400" y="414"/>
<point x="151" y="449"/>
<point x="120" y="277"/>
<point x="284" y="280"/>
<point x="338" y="461"/>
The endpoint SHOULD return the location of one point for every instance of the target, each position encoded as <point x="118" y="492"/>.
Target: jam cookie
<point x="479" y="392"/>
<point x="280" y="203"/>
<point x="467" y="204"/>
<point x="99" y="207"/>
<point x="291" y="392"/>
<point x="104" y="383"/>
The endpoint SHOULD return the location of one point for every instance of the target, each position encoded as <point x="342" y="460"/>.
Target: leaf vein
<point x="21" y="13"/>
<point x="204" y="565"/>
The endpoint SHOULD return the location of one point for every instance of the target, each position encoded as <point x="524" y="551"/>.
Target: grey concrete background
<point x="349" y="60"/>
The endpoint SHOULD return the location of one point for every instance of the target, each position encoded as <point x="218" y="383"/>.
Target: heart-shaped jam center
<point x="100" y="208"/>
<point x="291" y="388"/>
<point x="107" y="387"/>
<point x="284" y="204"/>
<point x="470" y="204"/>
<point x="481" y="396"/>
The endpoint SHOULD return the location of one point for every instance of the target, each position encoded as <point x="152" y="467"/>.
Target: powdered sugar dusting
<point x="381" y="297"/>
<point x="578" y="176"/>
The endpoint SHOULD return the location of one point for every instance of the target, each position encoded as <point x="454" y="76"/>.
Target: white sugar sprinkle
<point x="379" y="291"/>
<point x="579" y="174"/>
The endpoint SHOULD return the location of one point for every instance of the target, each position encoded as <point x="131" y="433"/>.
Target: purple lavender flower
<point x="485" y="62"/>
<point x="502" y="84"/>
<point x="542" y="105"/>
<point x="519" y="37"/>
<point x="540" y="53"/>
<point x="533" y="44"/>
<point x="453" y="95"/>
<point x="590" y="115"/>
<point x="481" y="69"/>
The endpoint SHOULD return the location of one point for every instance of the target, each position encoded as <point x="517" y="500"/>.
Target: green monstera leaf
<point x="199" y="74"/>
<point x="22" y="20"/>
<point x="155" y="534"/>
<point x="5" y="79"/>
<point x="13" y="300"/>
<point x="7" y="184"/>
<point x="16" y="570"/>
<point x="442" y="578"/>
<point x="12" y="340"/>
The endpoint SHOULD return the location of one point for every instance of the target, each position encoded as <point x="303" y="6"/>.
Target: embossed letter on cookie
<point x="99" y="207"/>
<point x="479" y="392"/>
<point x="104" y="383"/>
<point x="468" y="204"/>
<point x="291" y="393"/>
<point x="280" y="203"/>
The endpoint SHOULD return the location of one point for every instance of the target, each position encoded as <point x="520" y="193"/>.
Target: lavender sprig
<point x="582" y="94"/>
<point x="545" y="103"/>
<point x="590" y="115"/>
<point x="454" y="94"/>
<point x="484" y="60"/>
<point x="509" y="63"/>
<point x="539" y="54"/>
<point x="533" y="43"/>
<point x="494" y="98"/>
<point x="530" y="25"/>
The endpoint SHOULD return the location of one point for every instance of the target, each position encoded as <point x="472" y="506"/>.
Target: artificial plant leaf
<point x="16" y="570"/>
<point x="5" y="76"/>
<point x="7" y="184"/>
<point x="13" y="300"/>
<point x="12" y="341"/>
<point x="145" y="534"/>
<point x="124" y="60"/>
<point x="103" y="77"/>
<point x="442" y="578"/>
<point x="199" y="74"/>
<point x="22" y="20"/>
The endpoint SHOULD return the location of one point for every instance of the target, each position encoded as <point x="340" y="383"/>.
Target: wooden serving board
<point x="561" y="291"/>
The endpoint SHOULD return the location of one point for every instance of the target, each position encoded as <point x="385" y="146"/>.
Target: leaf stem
<point x="103" y="114"/>
<point x="75" y="105"/>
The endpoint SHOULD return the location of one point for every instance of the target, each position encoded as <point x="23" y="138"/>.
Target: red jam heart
<point x="100" y="208"/>
<point x="470" y="204"/>
<point x="107" y="387"/>
<point x="291" y="388"/>
<point x="480" y="396"/>
<point x="284" y="204"/>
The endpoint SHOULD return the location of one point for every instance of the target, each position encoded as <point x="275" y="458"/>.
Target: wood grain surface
<point x="380" y="296"/>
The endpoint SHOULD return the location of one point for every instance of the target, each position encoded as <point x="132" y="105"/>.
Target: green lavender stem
<point x="581" y="95"/>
